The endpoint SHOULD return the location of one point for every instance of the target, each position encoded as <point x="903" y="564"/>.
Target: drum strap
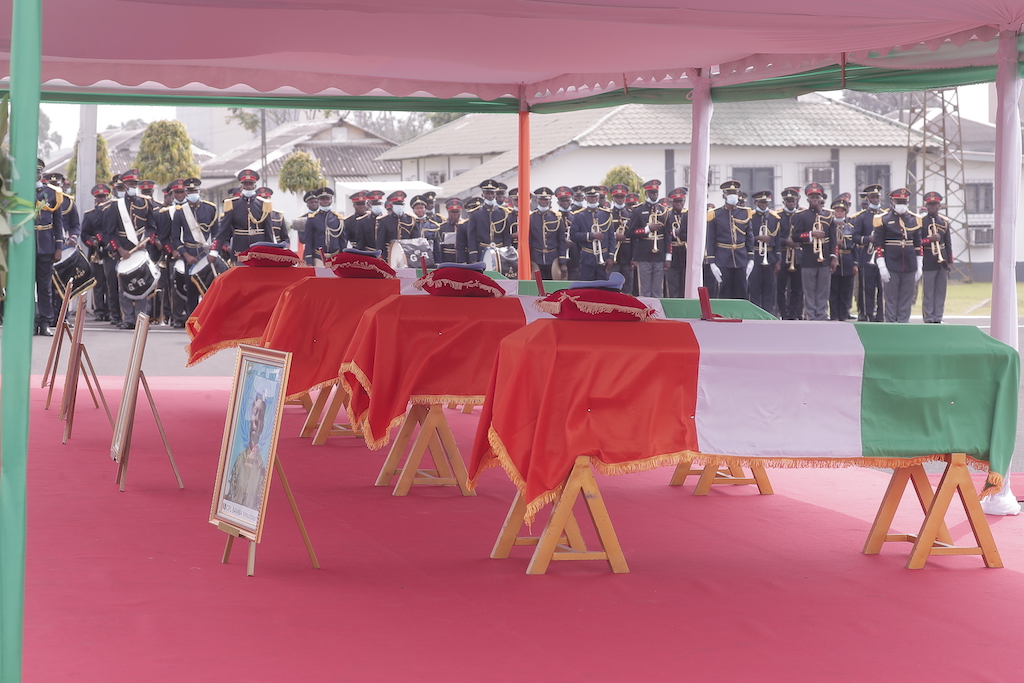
<point x="126" y="222"/>
<point x="193" y="226"/>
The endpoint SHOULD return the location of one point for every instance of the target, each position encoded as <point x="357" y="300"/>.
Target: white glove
<point x="750" y="266"/>
<point x="883" y="270"/>
<point x="717" y="272"/>
<point x="920" y="268"/>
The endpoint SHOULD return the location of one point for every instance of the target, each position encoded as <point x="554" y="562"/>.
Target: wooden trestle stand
<point x="435" y="435"/>
<point x="713" y="474"/>
<point x="934" y="538"/>
<point x="320" y="423"/>
<point x="76" y="369"/>
<point x="561" y="538"/>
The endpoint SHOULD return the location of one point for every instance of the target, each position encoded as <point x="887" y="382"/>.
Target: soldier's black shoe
<point x="127" y="326"/>
<point x="44" y="331"/>
<point x="178" y="324"/>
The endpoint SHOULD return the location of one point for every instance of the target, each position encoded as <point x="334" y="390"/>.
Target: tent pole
<point x="1007" y="191"/>
<point x="525" y="268"/>
<point x="700" y="152"/>
<point x="19" y="318"/>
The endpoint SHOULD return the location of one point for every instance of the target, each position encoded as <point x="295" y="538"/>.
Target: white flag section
<point x="750" y="403"/>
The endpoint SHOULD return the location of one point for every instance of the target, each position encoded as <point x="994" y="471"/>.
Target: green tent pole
<point x="19" y="318"/>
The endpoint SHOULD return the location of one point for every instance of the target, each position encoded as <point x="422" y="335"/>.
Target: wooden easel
<point x="712" y="474"/>
<point x="63" y="329"/>
<point x="75" y="369"/>
<point x="122" y="467"/>
<point x="561" y="538"/>
<point x="934" y="538"/>
<point x="320" y="423"/>
<point x="234" y="532"/>
<point x="436" y="436"/>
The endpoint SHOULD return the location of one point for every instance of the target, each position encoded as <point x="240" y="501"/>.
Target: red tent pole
<point x="525" y="269"/>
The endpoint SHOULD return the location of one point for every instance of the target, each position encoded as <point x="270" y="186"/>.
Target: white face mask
<point x="399" y="209"/>
<point x="732" y="199"/>
<point x="760" y="210"/>
<point x="133" y="192"/>
<point x="376" y="209"/>
<point x="651" y="201"/>
<point x="179" y="201"/>
<point x="577" y="204"/>
<point x="490" y="202"/>
<point x="248" y="193"/>
<point x="39" y="184"/>
<point x="617" y="205"/>
<point x="325" y="208"/>
<point x="543" y="207"/>
<point x="120" y="194"/>
<point x="874" y="207"/>
<point x="192" y="197"/>
<point x="592" y="205"/>
<point x="900" y="208"/>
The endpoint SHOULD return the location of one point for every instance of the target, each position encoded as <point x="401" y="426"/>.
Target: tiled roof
<point x="250" y="154"/>
<point x="122" y="146"/>
<point x="346" y="159"/>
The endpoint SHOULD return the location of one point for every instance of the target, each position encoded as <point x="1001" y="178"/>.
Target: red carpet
<point x="730" y="587"/>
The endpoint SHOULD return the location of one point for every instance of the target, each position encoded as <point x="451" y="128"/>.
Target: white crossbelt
<point x="126" y="222"/>
<point x="193" y="227"/>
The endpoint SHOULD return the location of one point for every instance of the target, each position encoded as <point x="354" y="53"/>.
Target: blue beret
<point x="375" y="253"/>
<point x="478" y="266"/>
<point x="614" y="283"/>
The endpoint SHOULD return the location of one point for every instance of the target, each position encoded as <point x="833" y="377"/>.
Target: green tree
<point x="48" y="142"/>
<point x="626" y="176"/>
<point x="103" y="171"/>
<point x="439" y="118"/>
<point x="165" y="152"/>
<point x="301" y="173"/>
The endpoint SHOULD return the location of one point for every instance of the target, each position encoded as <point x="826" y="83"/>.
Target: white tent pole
<point x="1007" y="191"/>
<point x="700" y="153"/>
<point x="86" y="156"/>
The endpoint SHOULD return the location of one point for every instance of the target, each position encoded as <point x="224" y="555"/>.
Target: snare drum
<point x="504" y="260"/>
<point x="179" y="280"/>
<point x="202" y="273"/>
<point x="72" y="264"/>
<point x="137" y="276"/>
<point x="407" y="253"/>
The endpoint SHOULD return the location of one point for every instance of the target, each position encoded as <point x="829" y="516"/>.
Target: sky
<point x="64" y="117"/>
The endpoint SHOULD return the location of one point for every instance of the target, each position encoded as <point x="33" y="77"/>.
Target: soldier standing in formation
<point x="447" y="235"/>
<point x="814" y="231"/>
<point x="245" y="219"/>
<point x="591" y="228"/>
<point x="651" y="240"/>
<point x="938" y="255"/>
<point x="488" y="225"/>
<point x="92" y="238"/>
<point x="730" y="243"/>
<point x="789" y="288"/>
<point x="841" y="296"/>
<point x="547" y="236"/>
<point x="764" y="225"/>
<point x="193" y="227"/>
<point x="623" y="256"/>
<point x="324" y="229"/>
<point x="872" y="306"/>
<point x="897" y="239"/>
<point x="49" y="228"/>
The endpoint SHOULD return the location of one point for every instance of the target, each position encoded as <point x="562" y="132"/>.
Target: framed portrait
<point x="249" y="446"/>
<point x="130" y="391"/>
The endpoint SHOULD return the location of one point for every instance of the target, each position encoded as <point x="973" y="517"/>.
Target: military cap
<point x="489" y="184"/>
<point x="931" y="197"/>
<point x="677" y="193"/>
<point x="374" y="195"/>
<point x="429" y="196"/>
<point x="130" y="174"/>
<point x="40" y="164"/>
<point x="730" y="185"/>
<point x="872" y="189"/>
<point x="846" y="196"/>
<point x="192" y="183"/>
<point x="418" y="199"/>
<point x="603" y="189"/>
<point x="663" y="202"/>
<point x="53" y="176"/>
<point x="396" y="197"/>
<point x="791" y="192"/>
<point x="115" y="179"/>
<point x="309" y="195"/>
<point x="235" y="192"/>
<point x="514" y="192"/>
<point x="743" y="195"/>
<point x="591" y="190"/>
<point x="147" y="184"/>
<point x="619" y="189"/>
<point x="501" y="186"/>
<point x="578" y="189"/>
<point x="473" y="203"/>
<point x="563" y="191"/>
<point x="323" y="192"/>
<point x="653" y="184"/>
<point x="248" y="176"/>
<point x="453" y="203"/>
<point x="543" y="192"/>
<point x="763" y="194"/>
<point x="178" y="184"/>
<point x="167" y="187"/>
<point x="814" y="188"/>
<point x="900" y="193"/>
<point x="102" y="188"/>
<point x="358" y="197"/>
<point x="632" y="198"/>
<point x="264" y="192"/>
<point x="841" y="203"/>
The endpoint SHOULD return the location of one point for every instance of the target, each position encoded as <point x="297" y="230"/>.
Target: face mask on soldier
<point x="732" y="199"/>
<point x="376" y="209"/>
<point x="192" y="197"/>
<point x="900" y="208"/>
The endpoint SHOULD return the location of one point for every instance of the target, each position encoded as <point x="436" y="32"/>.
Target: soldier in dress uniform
<point x="324" y="229"/>
<point x="872" y="302"/>
<point x="193" y="227"/>
<point x="814" y="230"/>
<point x="501" y="194"/>
<point x="841" y="297"/>
<point x="622" y="261"/>
<point x="245" y="219"/>
<point x="565" y="208"/>
<point x="359" y="211"/>
<point x="897" y="240"/>
<point x="650" y="240"/>
<point x="938" y="255"/>
<point x="677" y="223"/>
<point x="312" y="204"/>
<point x="50" y="230"/>
<point x="92" y="238"/>
<point x="592" y="230"/>
<point x="730" y="243"/>
<point x="579" y="199"/>
<point x="130" y="225"/>
<point x="72" y="227"/>
<point x="547" y="236"/>
<point x="512" y="207"/>
<point x="462" y="237"/>
<point x="423" y="224"/>
<point x="488" y="225"/>
<point x="367" y="225"/>
<point x="765" y="226"/>
<point x="160" y="251"/>
<point x="278" y="224"/>
<point x="398" y="220"/>
<point x="789" y="289"/>
<point x="632" y="199"/>
<point x="445" y="247"/>
<point x="430" y="198"/>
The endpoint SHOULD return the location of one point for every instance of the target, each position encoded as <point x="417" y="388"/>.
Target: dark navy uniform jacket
<point x="49" y="221"/>
<point x="243" y="222"/>
<point x="805" y="221"/>
<point x="324" y="230"/>
<point x="898" y="239"/>
<point x="182" y="240"/>
<point x="643" y="244"/>
<point x="586" y="221"/>
<point x="547" y="237"/>
<point x="140" y="215"/>
<point x="773" y="224"/>
<point x="941" y="223"/>
<point x="730" y="243"/>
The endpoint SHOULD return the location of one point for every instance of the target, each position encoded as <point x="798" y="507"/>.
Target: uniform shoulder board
<point x="876" y="220"/>
<point x="774" y="213"/>
<point x="228" y="203"/>
<point x="339" y="214"/>
<point x="829" y="212"/>
<point x="203" y="201"/>
<point x="686" y="211"/>
<point x="855" y="214"/>
<point x="711" y="216"/>
<point x="750" y="212"/>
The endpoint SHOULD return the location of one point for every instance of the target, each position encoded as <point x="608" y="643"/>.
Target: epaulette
<point x="339" y="214"/>
<point x="774" y="213"/>
<point x="876" y="220"/>
<point x="829" y="212"/>
<point x="711" y="214"/>
<point x="203" y="201"/>
<point x="854" y="215"/>
<point x="228" y="201"/>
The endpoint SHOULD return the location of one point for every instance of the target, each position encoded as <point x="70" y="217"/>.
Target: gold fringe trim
<point x="441" y="399"/>
<point x="321" y="385"/>
<point x="591" y="307"/>
<point x="359" y="422"/>
<point x="263" y="256"/>
<point x="219" y="346"/>
<point x="365" y="266"/>
<point x="495" y="291"/>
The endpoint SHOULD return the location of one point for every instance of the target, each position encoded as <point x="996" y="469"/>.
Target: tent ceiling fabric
<point x="487" y="49"/>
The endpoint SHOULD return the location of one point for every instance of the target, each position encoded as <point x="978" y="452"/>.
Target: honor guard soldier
<point x="426" y="227"/>
<point x="841" y="297"/>
<point x="447" y="234"/>
<point x="872" y="301"/>
<point x="299" y="222"/>
<point x="324" y="229"/>
<point x="160" y="252"/>
<point x="278" y="224"/>
<point x="592" y="230"/>
<point x="430" y="198"/>
<point x="462" y="237"/>
<point x="92" y="238"/>
<point x="488" y="225"/>
<point x="49" y="228"/>
<point x="512" y="206"/>
<point x="632" y="199"/>
<point x="72" y="226"/>
<point x="366" y="225"/>
<point x="650" y="240"/>
<point x="547" y="236"/>
<point x="565" y="208"/>
<point x="382" y="228"/>
<point x="677" y="223"/>
<point x="245" y="219"/>
<point x="359" y="212"/>
<point x="193" y="227"/>
<point x="398" y="220"/>
<point x="789" y="288"/>
<point x="130" y="225"/>
<point x="938" y="255"/>
<point x="501" y="194"/>
<point x="814" y="230"/>
<point x="730" y="243"/>
<point x="622" y="258"/>
<point x="897" y="240"/>
<point x="765" y="226"/>
<point x="579" y="199"/>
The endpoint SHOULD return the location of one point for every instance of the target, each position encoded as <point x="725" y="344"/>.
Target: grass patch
<point x="968" y="299"/>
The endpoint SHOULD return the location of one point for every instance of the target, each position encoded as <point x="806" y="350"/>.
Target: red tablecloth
<point x="236" y="308"/>
<point x="423" y="349"/>
<point x="619" y="392"/>
<point x="315" y="319"/>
